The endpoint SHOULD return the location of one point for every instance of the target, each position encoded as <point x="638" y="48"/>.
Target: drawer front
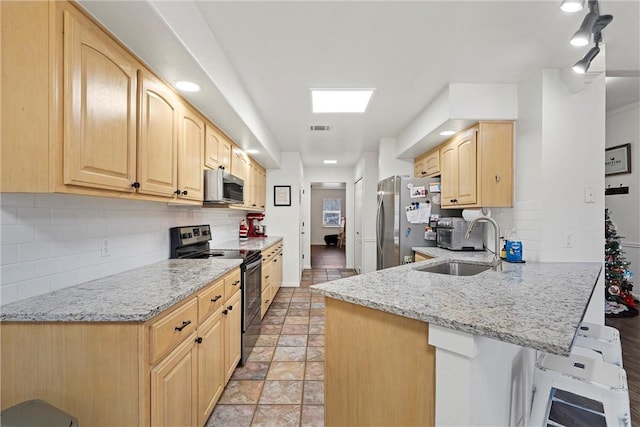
<point x="210" y="300"/>
<point x="266" y="301"/>
<point x="169" y="331"/>
<point x="231" y="284"/>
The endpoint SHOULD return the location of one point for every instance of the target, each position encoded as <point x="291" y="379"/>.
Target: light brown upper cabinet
<point x="477" y="167"/>
<point x="190" y="155"/>
<point x="459" y="170"/>
<point x="100" y="81"/>
<point x="495" y="160"/>
<point x="158" y="137"/>
<point x="427" y="165"/>
<point x="85" y="116"/>
<point x="217" y="149"/>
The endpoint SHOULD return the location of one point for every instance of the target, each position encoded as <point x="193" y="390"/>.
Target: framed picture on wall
<point x="617" y="160"/>
<point x="282" y="195"/>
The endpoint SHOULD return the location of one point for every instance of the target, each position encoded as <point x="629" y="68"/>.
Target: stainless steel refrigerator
<point x="396" y="235"/>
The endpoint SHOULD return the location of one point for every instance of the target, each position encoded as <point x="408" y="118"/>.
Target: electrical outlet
<point x="567" y="240"/>
<point x="104" y="247"/>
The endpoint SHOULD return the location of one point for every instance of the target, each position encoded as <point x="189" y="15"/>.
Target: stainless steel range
<point x="192" y="241"/>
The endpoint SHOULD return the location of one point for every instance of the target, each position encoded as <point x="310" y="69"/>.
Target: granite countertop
<point x="252" y="243"/>
<point x="132" y="296"/>
<point x="536" y="305"/>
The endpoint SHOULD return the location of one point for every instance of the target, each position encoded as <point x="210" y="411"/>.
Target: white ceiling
<point x="256" y="60"/>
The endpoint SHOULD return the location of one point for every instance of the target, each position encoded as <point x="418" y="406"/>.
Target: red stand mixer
<point x="256" y="229"/>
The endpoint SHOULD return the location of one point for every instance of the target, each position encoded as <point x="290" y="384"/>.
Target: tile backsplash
<point x="52" y="241"/>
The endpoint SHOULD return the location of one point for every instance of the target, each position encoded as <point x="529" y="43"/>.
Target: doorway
<point x="327" y="225"/>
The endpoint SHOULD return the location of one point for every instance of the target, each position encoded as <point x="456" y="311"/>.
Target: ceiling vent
<point x="319" y="128"/>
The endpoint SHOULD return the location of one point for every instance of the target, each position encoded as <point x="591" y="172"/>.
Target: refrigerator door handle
<point x="380" y="226"/>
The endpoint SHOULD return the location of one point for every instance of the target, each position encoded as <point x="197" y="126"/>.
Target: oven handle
<point x="253" y="265"/>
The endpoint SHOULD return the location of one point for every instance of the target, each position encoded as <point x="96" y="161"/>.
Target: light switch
<point x="588" y="194"/>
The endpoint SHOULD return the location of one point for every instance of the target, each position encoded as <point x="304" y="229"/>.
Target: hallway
<point x="282" y="384"/>
<point x="324" y="256"/>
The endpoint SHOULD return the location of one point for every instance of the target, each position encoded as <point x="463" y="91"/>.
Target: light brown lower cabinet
<point x="168" y="371"/>
<point x="174" y="387"/>
<point x="379" y="368"/>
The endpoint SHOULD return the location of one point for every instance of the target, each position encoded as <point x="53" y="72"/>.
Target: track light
<point x="571" y="6"/>
<point x="582" y="66"/>
<point x="582" y="37"/>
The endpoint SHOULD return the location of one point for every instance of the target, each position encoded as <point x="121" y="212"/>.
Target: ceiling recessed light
<point x="330" y="162"/>
<point x="340" y="100"/>
<point x="447" y="132"/>
<point x="186" y="86"/>
<point x="572" y="5"/>
<point x="253" y="151"/>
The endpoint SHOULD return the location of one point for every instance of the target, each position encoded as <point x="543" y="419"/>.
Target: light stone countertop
<point x="536" y="305"/>
<point x="252" y="243"/>
<point x="132" y="296"/>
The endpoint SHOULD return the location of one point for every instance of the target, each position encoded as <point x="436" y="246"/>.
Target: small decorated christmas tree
<point x="620" y="301"/>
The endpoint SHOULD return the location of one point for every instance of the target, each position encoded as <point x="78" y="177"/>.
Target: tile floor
<point x="282" y="383"/>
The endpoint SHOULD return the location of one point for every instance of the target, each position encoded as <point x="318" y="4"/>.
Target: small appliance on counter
<point x="244" y="230"/>
<point x="451" y="235"/>
<point x="256" y="228"/>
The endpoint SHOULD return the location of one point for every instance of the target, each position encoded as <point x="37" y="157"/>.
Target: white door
<point x="357" y="225"/>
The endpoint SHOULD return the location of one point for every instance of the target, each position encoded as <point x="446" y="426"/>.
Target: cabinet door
<point x="211" y="147"/>
<point x="238" y="164"/>
<point x="262" y="189"/>
<point x="191" y="156"/>
<point x="158" y="142"/>
<point x="232" y="322"/>
<point x="449" y="174"/>
<point x="418" y="168"/>
<point x="174" y="387"/>
<point x="100" y="80"/>
<point x="432" y="163"/>
<point x="224" y="154"/>
<point x="210" y="365"/>
<point x="467" y="169"/>
<point x="495" y="151"/>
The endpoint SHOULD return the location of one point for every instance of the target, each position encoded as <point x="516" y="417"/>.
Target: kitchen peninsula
<point x="409" y="347"/>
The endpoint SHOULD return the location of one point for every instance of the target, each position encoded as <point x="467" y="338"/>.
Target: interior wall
<point x="318" y="231"/>
<point x="623" y="127"/>
<point x="573" y="142"/>
<point x="286" y="221"/>
<point x="52" y="241"/>
<point x="388" y="164"/>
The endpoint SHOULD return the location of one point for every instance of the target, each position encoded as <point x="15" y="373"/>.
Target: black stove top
<point x="192" y="242"/>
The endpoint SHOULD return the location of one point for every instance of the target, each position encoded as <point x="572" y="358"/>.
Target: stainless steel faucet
<point x="496" y="264"/>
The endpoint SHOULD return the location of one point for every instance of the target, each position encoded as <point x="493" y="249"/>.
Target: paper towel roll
<point x="470" y="214"/>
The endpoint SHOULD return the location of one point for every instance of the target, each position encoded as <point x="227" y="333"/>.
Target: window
<point x="331" y="212"/>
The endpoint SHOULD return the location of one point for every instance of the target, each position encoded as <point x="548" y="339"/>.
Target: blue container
<point x="514" y="251"/>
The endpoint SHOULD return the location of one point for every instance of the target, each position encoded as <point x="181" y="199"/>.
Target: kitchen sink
<point x="455" y="268"/>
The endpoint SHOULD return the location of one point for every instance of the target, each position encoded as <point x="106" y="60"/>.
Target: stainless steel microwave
<point x="222" y="187"/>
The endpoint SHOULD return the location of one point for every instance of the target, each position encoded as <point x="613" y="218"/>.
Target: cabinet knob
<point x="199" y="340"/>
<point x="216" y="298"/>
<point x="185" y="192"/>
<point x="177" y="191"/>
<point x="235" y="283"/>
<point x="135" y="185"/>
<point x="224" y="312"/>
<point x="230" y="308"/>
<point x="497" y="178"/>
<point x="185" y="323"/>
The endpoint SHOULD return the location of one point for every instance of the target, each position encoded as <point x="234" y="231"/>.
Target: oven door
<point x="251" y="291"/>
<point x="251" y="302"/>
